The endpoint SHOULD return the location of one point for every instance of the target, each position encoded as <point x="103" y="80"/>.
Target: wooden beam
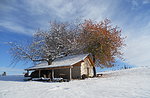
<point x="70" y="73"/>
<point x="91" y="61"/>
<point x="28" y="72"/>
<point x="49" y="68"/>
<point x="52" y="74"/>
<point x="39" y="73"/>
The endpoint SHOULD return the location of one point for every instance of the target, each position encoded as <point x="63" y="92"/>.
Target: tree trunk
<point x="49" y="62"/>
<point x="93" y="58"/>
<point x="94" y="69"/>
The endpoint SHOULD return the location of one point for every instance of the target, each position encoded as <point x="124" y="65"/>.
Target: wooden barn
<point x="69" y="67"/>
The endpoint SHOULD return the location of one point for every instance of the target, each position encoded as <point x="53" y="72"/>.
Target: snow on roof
<point x="61" y="62"/>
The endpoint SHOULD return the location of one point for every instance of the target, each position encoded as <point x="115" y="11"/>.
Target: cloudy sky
<point x="19" y="19"/>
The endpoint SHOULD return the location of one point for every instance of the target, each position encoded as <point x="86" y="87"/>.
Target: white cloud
<point x="15" y="27"/>
<point x="135" y="3"/>
<point x="138" y="46"/>
<point x="38" y="13"/>
<point x="146" y="1"/>
<point x="137" y="51"/>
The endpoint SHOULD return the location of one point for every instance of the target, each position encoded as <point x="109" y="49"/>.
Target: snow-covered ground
<point x="118" y="65"/>
<point x="129" y="83"/>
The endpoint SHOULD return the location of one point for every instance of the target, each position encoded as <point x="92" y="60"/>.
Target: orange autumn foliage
<point x="102" y="40"/>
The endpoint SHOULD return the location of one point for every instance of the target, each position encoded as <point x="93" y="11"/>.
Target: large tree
<point x="58" y="41"/>
<point x="98" y="38"/>
<point x="102" y="40"/>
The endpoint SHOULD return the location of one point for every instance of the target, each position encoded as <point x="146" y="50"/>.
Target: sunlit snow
<point x="129" y="83"/>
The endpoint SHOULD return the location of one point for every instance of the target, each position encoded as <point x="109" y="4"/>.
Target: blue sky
<point x="19" y="20"/>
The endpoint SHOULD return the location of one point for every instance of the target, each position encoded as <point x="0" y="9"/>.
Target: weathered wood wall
<point x="87" y="68"/>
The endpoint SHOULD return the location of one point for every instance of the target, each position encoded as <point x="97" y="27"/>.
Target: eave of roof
<point x="83" y="56"/>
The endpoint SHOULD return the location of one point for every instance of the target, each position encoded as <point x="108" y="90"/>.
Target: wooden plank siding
<point x="87" y="67"/>
<point x="74" y="71"/>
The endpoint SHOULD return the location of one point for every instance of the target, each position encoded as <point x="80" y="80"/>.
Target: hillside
<point x="129" y="83"/>
<point x="118" y="65"/>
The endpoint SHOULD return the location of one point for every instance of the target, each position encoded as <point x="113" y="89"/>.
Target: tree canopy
<point x="100" y="39"/>
<point x="58" y="41"/>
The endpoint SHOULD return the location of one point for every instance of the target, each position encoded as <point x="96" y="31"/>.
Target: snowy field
<point x="129" y="83"/>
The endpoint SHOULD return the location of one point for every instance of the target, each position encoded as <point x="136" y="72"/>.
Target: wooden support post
<point x="52" y="74"/>
<point x="70" y="73"/>
<point x="39" y="73"/>
<point x="28" y="72"/>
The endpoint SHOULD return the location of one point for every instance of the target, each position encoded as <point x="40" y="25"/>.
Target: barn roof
<point x="61" y="62"/>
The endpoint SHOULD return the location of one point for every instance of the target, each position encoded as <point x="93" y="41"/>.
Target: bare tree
<point x="58" y="41"/>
